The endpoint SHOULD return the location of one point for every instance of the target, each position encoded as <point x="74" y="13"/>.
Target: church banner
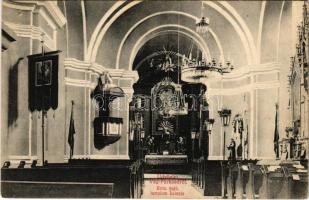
<point x="43" y="81"/>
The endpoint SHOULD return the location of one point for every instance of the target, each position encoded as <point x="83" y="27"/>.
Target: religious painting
<point x="43" y="73"/>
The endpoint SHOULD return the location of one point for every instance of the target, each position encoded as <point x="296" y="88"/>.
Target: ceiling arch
<point x="93" y="46"/>
<point x="174" y="31"/>
<point x="236" y="21"/>
<point x="101" y="24"/>
<point x="242" y="23"/>
<point x="143" y="39"/>
<point x="259" y="37"/>
<point x="156" y="14"/>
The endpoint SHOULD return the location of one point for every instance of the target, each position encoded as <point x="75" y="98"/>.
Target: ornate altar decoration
<point x="295" y="143"/>
<point x="238" y="129"/>
<point x="166" y="127"/>
<point x="168" y="99"/>
<point x="107" y="129"/>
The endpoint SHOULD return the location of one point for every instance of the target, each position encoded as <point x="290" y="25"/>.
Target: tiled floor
<point x="169" y="186"/>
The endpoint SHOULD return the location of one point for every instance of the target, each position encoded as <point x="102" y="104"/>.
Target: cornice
<point x="95" y="68"/>
<point x="120" y="73"/>
<point x="79" y="65"/>
<point x="246" y="71"/>
<point x="33" y="32"/>
<point x="52" y="9"/>
<point x="243" y="89"/>
<point x="243" y="74"/>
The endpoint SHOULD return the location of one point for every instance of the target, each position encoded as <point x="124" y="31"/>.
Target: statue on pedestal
<point x="181" y="145"/>
<point x="232" y="149"/>
<point x="150" y="144"/>
<point x="284" y="152"/>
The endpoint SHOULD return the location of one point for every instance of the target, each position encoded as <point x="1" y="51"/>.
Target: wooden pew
<point x="230" y="181"/>
<point x="35" y="189"/>
<point x="125" y="175"/>
<point x="239" y="188"/>
<point x="213" y="178"/>
<point x="264" y="192"/>
<point x="284" y="181"/>
<point x="240" y="179"/>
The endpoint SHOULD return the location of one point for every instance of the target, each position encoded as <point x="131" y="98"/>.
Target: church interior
<point x="155" y="99"/>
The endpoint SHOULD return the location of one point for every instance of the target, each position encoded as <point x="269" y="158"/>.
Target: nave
<point x="154" y="99"/>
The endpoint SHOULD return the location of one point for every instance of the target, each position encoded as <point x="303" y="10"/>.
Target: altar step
<point x="168" y="169"/>
<point x="167" y="164"/>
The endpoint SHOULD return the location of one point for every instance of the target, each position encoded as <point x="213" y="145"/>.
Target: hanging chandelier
<point x="194" y="70"/>
<point x="202" y="25"/>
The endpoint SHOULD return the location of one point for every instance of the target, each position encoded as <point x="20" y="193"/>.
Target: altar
<point x="166" y="159"/>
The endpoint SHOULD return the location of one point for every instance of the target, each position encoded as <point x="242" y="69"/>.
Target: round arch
<point x="231" y="16"/>
<point x="173" y="31"/>
<point x="142" y="40"/>
<point x="157" y="14"/>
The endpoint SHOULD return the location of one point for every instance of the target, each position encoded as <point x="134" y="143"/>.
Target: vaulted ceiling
<point x="119" y="34"/>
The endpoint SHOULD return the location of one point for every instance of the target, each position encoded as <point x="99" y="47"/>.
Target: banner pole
<point x="43" y="112"/>
<point x="43" y="135"/>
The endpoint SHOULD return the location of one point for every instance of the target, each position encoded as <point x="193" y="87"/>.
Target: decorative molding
<point x="250" y="70"/>
<point x="53" y="10"/>
<point x="33" y="32"/>
<point x="88" y="67"/>
<point x="77" y="82"/>
<point x="83" y="66"/>
<point x="45" y="16"/>
<point x="243" y="89"/>
<point x="245" y="73"/>
<point x="120" y="73"/>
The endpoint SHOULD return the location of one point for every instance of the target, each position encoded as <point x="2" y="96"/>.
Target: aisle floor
<point x="169" y="186"/>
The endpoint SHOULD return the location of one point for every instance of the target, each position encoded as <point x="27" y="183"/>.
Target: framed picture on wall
<point x="43" y="72"/>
